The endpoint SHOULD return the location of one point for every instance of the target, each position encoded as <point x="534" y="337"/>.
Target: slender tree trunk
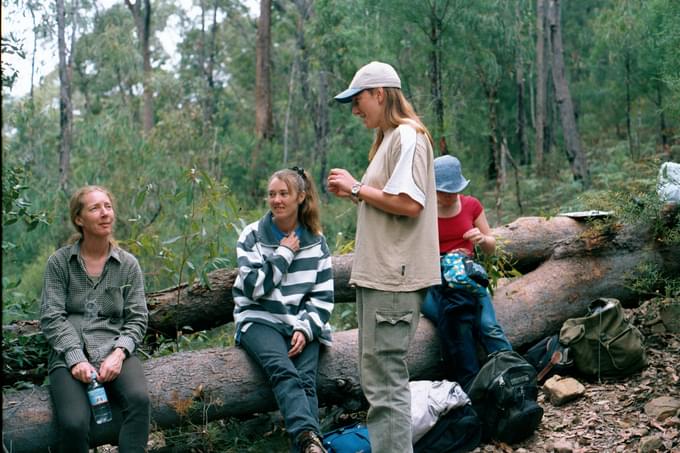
<point x="35" y="48"/>
<point x="629" y="128"/>
<point x="289" y="105"/>
<point x="142" y="17"/>
<point x="663" y="131"/>
<point x="572" y="140"/>
<point x="438" y="12"/>
<point x="321" y="128"/>
<point x="436" y="78"/>
<point x="263" y="97"/>
<point x="521" y="95"/>
<point x="541" y="83"/>
<point x="65" y="102"/>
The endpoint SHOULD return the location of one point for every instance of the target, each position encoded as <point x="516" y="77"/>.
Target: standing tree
<point x="65" y="101"/>
<point x="437" y="18"/>
<point x="572" y="140"/>
<point x="263" y="96"/>
<point x="541" y="83"/>
<point x="142" y="16"/>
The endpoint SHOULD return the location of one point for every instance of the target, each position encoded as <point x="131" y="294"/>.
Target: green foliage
<point x="10" y="45"/>
<point x="24" y="359"/>
<point x="16" y="207"/>
<point x="649" y="280"/>
<point x="200" y="237"/>
<point x="15" y="204"/>
<point x="498" y="265"/>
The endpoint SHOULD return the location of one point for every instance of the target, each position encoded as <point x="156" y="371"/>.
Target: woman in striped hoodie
<point x="283" y="298"/>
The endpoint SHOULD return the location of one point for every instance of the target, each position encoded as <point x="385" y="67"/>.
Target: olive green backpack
<point x="603" y="343"/>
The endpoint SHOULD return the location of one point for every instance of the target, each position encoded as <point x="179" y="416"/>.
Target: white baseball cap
<point x="373" y="75"/>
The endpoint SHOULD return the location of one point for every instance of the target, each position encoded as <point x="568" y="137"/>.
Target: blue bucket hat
<point x="448" y="175"/>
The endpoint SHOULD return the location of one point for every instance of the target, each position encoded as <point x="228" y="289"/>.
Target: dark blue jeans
<point x="490" y="333"/>
<point x="293" y="380"/>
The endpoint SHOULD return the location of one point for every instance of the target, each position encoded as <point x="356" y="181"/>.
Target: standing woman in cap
<point x="396" y="251"/>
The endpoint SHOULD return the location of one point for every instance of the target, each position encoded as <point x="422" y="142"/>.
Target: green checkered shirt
<point x="84" y="319"/>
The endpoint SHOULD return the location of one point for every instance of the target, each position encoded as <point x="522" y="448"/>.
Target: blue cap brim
<point x="347" y="95"/>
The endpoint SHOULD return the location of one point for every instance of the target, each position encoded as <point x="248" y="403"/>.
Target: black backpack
<point x="459" y="430"/>
<point x="504" y="396"/>
<point x="549" y="357"/>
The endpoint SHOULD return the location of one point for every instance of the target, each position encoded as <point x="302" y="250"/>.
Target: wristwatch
<point x="356" y="187"/>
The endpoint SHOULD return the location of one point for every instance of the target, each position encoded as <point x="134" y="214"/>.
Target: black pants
<point x="74" y="414"/>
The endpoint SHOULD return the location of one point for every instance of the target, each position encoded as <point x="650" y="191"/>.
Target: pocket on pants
<point x="393" y="331"/>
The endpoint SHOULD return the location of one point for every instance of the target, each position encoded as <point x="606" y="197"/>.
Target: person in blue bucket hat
<point x="463" y="226"/>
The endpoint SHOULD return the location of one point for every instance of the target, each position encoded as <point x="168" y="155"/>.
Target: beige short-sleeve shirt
<point x="393" y="252"/>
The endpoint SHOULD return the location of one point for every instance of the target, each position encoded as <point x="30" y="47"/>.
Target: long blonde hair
<point x="76" y="206"/>
<point x="398" y="110"/>
<point x="298" y="180"/>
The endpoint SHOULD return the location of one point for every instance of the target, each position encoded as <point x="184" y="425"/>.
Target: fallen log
<point x="210" y="384"/>
<point x="196" y="387"/>
<point x="528" y="241"/>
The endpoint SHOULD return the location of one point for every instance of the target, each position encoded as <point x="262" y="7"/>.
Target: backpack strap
<point x="554" y="360"/>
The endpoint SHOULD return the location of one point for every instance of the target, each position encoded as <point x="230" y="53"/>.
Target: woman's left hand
<point x="297" y="343"/>
<point x="340" y="182"/>
<point x="475" y="236"/>
<point x="111" y="366"/>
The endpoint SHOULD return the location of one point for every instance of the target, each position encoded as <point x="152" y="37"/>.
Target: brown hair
<point x="298" y="180"/>
<point x="398" y="110"/>
<point x="76" y="206"/>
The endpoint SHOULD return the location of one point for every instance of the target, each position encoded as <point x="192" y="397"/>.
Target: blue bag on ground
<point x="348" y="439"/>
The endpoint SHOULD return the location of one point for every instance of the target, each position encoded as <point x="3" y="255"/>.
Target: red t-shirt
<point x="451" y="229"/>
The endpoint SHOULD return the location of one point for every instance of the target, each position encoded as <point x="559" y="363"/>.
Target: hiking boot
<point x="310" y="442"/>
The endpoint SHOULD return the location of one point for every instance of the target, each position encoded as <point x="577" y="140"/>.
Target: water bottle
<point x="99" y="401"/>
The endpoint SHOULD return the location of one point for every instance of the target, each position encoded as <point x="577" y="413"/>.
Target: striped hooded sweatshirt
<point x="285" y="290"/>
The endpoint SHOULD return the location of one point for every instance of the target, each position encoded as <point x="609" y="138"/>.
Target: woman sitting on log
<point x="283" y="298"/>
<point x="462" y="226"/>
<point x="93" y="313"/>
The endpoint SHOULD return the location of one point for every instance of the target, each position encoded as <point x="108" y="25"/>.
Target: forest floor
<point x="609" y="417"/>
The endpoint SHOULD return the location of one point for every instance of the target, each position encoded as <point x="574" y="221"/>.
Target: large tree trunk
<point x="541" y="83"/>
<point x="142" y="17"/>
<point x="437" y="21"/>
<point x="263" y="96"/>
<point x="65" y="101"/>
<point x="572" y="139"/>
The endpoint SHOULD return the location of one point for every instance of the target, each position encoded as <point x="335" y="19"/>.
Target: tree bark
<point x="436" y="22"/>
<point x="142" y="17"/>
<point x="572" y="139"/>
<point x="541" y="83"/>
<point x="525" y="155"/>
<point x="263" y="97"/>
<point x="65" y="101"/>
